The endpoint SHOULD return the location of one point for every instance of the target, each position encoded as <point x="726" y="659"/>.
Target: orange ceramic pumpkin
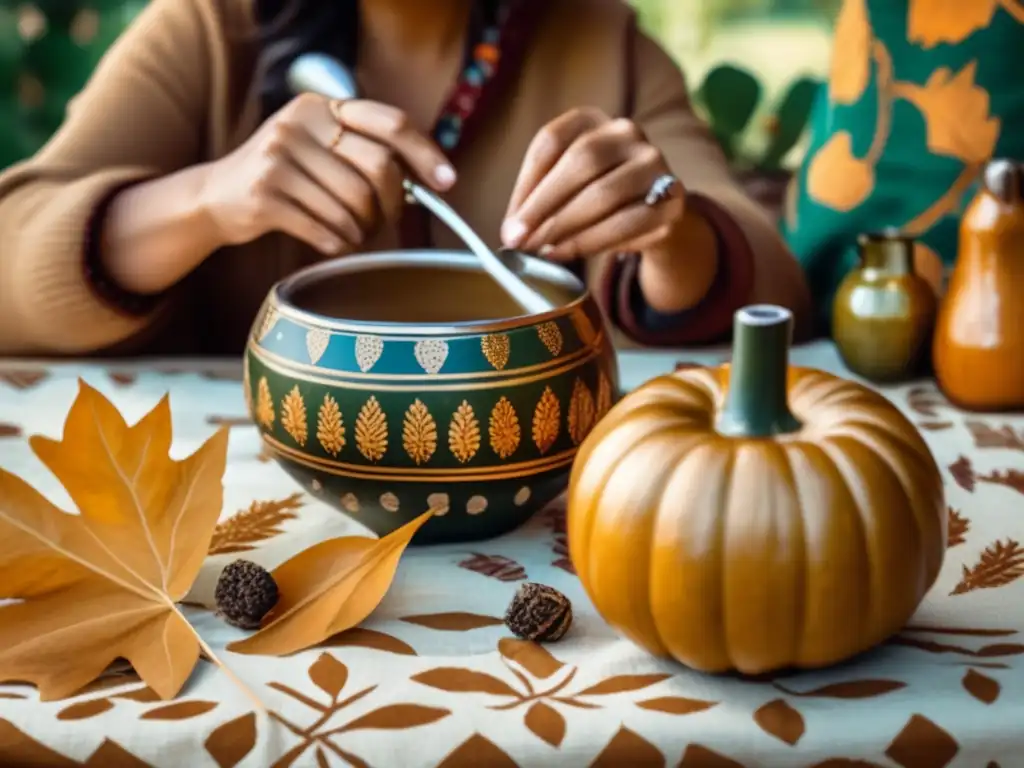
<point x="758" y="517"/>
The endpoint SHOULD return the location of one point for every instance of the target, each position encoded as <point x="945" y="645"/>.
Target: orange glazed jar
<point x="978" y="349"/>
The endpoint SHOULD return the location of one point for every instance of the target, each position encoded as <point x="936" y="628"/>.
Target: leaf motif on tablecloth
<point x="260" y="522"/>
<point x="582" y="411"/>
<point x="845" y="762"/>
<point x="372" y="430"/>
<point x="9" y="695"/>
<point x="477" y="752"/>
<point x="957" y="528"/>
<point x="503" y="428"/>
<point x="330" y="426"/>
<point x="777" y="718"/>
<point x="926" y="401"/>
<point x="395" y="717"/>
<point x="230" y="743"/>
<point x="623" y="684"/>
<point x="546" y="723"/>
<point x="555" y="518"/>
<point x="931" y="646"/>
<point x="676" y="705"/>
<point x="123" y="378"/>
<point x="293" y="416"/>
<point x="547" y="417"/>
<point x="627" y="747"/>
<point x="980" y="686"/>
<point x="9" y="430"/>
<point x="464" y="433"/>
<point x="264" y="404"/>
<point x="1001" y="563"/>
<point x="419" y="433"/>
<point x="456" y="621"/>
<point x="851" y="689"/>
<point x="962" y="472"/>
<point x="180" y="710"/>
<point x="1009" y="478"/>
<point x="85" y="710"/>
<point x="699" y="756"/>
<point x="495" y="566"/>
<point x="460" y="680"/>
<point x="360" y="637"/>
<point x="935" y="426"/>
<point x="1005" y="437"/>
<point x="328" y="674"/>
<point x="531" y="656"/>
<point x="20" y="749"/>
<point x="24" y="378"/>
<point x="920" y="738"/>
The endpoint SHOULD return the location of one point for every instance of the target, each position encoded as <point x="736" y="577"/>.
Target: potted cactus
<point x="730" y="98"/>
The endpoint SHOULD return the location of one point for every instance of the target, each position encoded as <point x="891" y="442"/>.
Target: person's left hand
<point x="582" y="187"/>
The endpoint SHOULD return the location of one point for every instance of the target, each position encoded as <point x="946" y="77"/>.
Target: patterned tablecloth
<point x="433" y="678"/>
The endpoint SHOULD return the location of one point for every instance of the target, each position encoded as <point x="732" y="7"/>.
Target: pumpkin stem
<point x="756" y="402"/>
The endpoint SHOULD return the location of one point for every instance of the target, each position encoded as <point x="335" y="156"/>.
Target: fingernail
<point x="330" y="245"/>
<point x="445" y="175"/>
<point x="545" y="250"/>
<point x="512" y="233"/>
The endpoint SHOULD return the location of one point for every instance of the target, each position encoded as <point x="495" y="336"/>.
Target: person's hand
<point x="582" y="188"/>
<point x="327" y="173"/>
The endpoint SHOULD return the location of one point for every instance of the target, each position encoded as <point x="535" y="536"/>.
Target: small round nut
<point x="245" y="593"/>
<point x="539" y="613"/>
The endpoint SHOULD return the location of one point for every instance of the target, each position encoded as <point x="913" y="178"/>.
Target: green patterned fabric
<point x="921" y="94"/>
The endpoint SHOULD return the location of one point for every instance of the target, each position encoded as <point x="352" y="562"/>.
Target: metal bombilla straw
<point x="325" y="75"/>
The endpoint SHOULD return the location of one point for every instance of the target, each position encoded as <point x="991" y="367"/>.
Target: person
<point x="188" y="178"/>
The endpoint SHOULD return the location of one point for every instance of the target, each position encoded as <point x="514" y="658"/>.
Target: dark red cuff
<point x="711" y="319"/>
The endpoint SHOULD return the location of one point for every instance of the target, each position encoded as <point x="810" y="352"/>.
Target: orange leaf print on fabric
<point x="956" y="114"/>
<point x="932" y="22"/>
<point x="995" y="437"/>
<point x="838" y="179"/>
<point x="453" y="622"/>
<point x="622" y="684"/>
<point x="852" y="689"/>
<point x="458" y="680"/>
<point x="476" y="752"/>
<point x="530" y="656"/>
<point x="851" y="53"/>
<point x="676" y="705"/>
<point x="359" y="637"/>
<point x="229" y="743"/>
<point x="962" y="472"/>
<point x="1000" y="564"/>
<point x="958" y="528"/>
<point x="546" y="723"/>
<point x="495" y="566"/>
<point x="982" y="687"/>
<point x="628" y="748"/>
<point x="86" y="709"/>
<point x="180" y="710"/>
<point x="261" y="521"/>
<point x="922" y="742"/>
<point x="697" y="756"/>
<point x="780" y="720"/>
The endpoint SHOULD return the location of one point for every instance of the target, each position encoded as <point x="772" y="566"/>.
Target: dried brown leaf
<point x="261" y="521"/>
<point x="180" y="710"/>
<point x="453" y="622"/>
<point x="103" y="584"/>
<point x="85" y="709"/>
<point x="982" y="687"/>
<point x="459" y="680"/>
<point x="327" y="589"/>
<point x="396" y="717"/>
<point x="958" y="528"/>
<point x="676" y="705"/>
<point x="852" y="689"/>
<point x="359" y="637"/>
<point x="777" y="718"/>
<point x="229" y="743"/>
<point x="530" y="656"/>
<point x="623" y="683"/>
<point x="329" y="675"/>
<point x="1000" y="564"/>
<point x="628" y="748"/>
<point x="546" y="723"/>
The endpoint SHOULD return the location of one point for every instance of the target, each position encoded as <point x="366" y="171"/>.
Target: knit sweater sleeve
<point x="142" y="115"/>
<point x="754" y="264"/>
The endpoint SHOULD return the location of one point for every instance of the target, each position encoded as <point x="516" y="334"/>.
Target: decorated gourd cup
<point x="392" y="383"/>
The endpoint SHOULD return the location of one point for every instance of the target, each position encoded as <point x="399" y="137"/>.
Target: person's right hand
<point x="294" y="174"/>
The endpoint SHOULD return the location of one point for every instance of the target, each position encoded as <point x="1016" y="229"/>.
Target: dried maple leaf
<point x="103" y="584"/>
<point x="328" y="588"/>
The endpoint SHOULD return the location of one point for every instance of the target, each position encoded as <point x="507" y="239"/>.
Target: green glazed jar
<point x="391" y="383"/>
<point x="883" y="316"/>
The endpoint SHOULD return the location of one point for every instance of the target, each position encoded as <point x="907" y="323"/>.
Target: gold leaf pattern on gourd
<point x="293" y="415"/>
<point x="851" y="53"/>
<point x="389" y="502"/>
<point x="317" y="340"/>
<point x="504" y="429"/>
<point x="267" y="323"/>
<point x="547" y="417"/>
<point x="604" y="395"/>
<point x="932" y="22"/>
<point x="551" y="337"/>
<point x="837" y="179"/>
<point x="419" y="433"/>
<point x="464" y="433"/>
<point x="431" y="354"/>
<point x="372" y="430"/>
<point x="496" y="348"/>
<point x="956" y="114"/>
<point x="581" y="412"/>
<point x="264" y="404"/>
<point x="330" y="427"/>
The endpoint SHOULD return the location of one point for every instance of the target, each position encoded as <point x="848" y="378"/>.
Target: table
<point x="424" y="682"/>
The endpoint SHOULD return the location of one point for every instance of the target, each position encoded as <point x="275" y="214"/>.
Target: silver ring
<point x="661" y="189"/>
